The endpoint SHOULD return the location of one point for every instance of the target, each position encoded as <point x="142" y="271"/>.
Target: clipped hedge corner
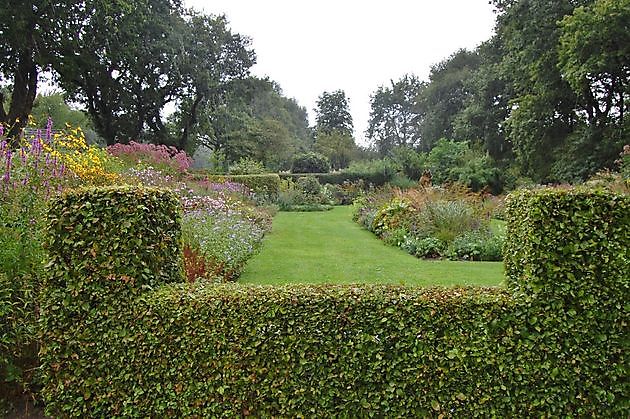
<point x="105" y="246"/>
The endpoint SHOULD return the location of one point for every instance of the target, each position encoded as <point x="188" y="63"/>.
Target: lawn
<point x="328" y="247"/>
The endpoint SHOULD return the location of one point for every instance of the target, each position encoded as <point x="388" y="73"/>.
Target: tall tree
<point x="333" y="113"/>
<point x="594" y="56"/>
<point x="213" y="60"/>
<point x="542" y="116"/>
<point x="131" y="59"/>
<point x="396" y="115"/>
<point x="445" y="95"/>
<point x="31" y="33"/>
<point x="486" y="107"/>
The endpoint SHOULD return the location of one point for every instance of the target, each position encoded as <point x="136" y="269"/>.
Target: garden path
<point x="328" y="247"/>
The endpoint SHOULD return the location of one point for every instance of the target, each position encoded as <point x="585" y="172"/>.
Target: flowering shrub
<point x="217" y="244"/>
<point x="222" y="228"/>
<point x="431" y="222"/>
<point x="88" y="164"/>
<point x="165" y="158"/>
<point x="29" y="175"/>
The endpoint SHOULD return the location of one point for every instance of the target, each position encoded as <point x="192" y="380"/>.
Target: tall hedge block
<point x="105" y="246"/>
<point x="570" y="246"/>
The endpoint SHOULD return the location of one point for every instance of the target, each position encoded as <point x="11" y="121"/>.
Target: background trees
<point x="396" y="115"/>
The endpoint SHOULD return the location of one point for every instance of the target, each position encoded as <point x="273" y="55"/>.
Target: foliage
<point x="305" y="194"/>
<point x="346" y="192"/>
<point x="375" y="172"/>
<point x="452" y="161"/>
<point x="218" y="243"/>
<point x="411" y="163"/>
<point x="333" y="113"/>
<point x="567" y="235"/>
<point x="426" y="247"/>
<point x="310" y="163"/>
<point x="247" y="166"/>
<point x="476" y="245"/>
<point x="594" y="51"/>
<point x="432" y="222"/>
<point x="337" y="146"/>
<point x="167" y="159"/>
<point x="266" y="342"/>
<point x="395" y="115"/>
<point x="264" y="186"/>
<point x="444" y="97"/>
<point x="253" y="119"/>
<point x="31" y="35"/>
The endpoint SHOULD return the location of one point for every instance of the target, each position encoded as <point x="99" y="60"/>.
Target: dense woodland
<point x="544" y="100"/>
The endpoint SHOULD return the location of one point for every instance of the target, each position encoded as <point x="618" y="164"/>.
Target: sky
<point x="309" y="47"/>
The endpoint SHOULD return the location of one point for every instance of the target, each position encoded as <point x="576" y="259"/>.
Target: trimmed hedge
<point x="106" y="246"/>
<point x="351" y="351"/>
<point x="338" y="178"/>
<point x="570" y="246"/>
<point x="267" y="185"/>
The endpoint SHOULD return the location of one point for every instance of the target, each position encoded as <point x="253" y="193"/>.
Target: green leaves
<point x="553" y="347"/>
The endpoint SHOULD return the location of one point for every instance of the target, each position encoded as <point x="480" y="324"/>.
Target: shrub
<point x="568" y="235"/>
<point x="265" y="186"/>
<point x="392" y="215"/>
<point x="410" y="162"/>
<point x="427" y="247"/>
<point x="218" y="244"/>
<point x="346" y="193"/>
<point x="247" y="166"/>
<point x="375" y="172"/>
<point x="164" y="158"/>
<point x="444" y="220"/>
<point x="310" y="163"/>
<point x="476" y="245"/>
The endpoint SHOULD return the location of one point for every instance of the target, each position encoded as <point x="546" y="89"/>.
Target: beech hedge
<point x="128" y="347"/>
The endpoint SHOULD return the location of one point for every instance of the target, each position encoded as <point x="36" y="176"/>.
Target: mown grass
<point x="328" y="247"/>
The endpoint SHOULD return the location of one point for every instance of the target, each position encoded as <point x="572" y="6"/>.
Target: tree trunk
<point x="22" y="96"/>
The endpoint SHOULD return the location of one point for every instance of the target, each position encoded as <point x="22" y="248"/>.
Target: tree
<point x="594" y="57"/>
<point x="445" y="95"/>
<point x="214" y="63"/>
<point x="130" y="59"/>
<point x="31" y="34"/>
<point x="332" y="113"/>
<point x="337" y="146"/>
<point x="395" y="115"/>
<point x="542" y="114"/>
<point x="487" y="106"/>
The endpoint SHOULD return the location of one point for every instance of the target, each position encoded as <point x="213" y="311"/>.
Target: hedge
<point x="267" y="185"/>
<point x="338" y="178"/>
<point x="570" y="246"/>
<point x="351" y="351"/>
<point x="106" y="246"/>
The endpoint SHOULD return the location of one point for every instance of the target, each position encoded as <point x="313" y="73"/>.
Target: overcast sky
<point x="309" y="47"/>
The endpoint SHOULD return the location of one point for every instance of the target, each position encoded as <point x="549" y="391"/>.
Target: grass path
<point x="328" y="247"/>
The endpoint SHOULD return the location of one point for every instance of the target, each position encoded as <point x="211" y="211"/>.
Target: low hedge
<point x="338" y="178"/>
<point x="122" y="348"/>
<point x="267" y="185"/>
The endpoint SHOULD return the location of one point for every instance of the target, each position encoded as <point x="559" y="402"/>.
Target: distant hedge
<point x="338" y="178"/>
<point x="349" y="351"/>
<point x="267" y="184"/>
